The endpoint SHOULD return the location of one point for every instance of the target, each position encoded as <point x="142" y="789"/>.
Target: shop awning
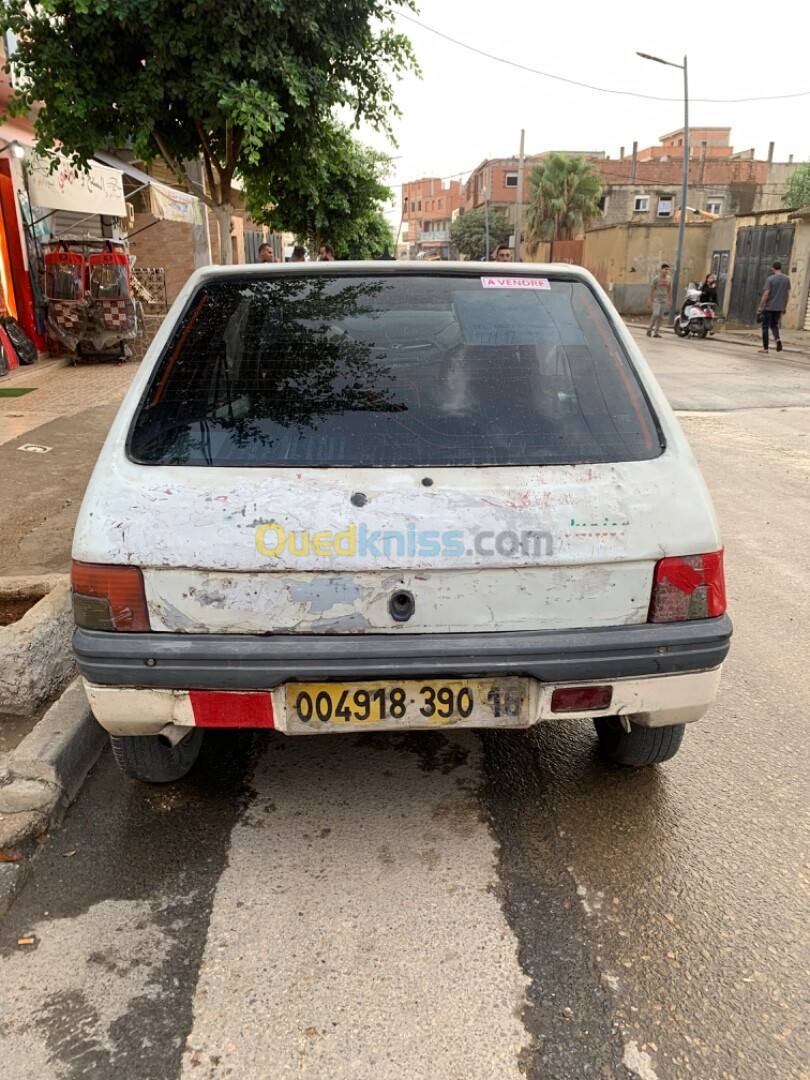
<point x="97" y="190"/>
<point x="166" y="203"/>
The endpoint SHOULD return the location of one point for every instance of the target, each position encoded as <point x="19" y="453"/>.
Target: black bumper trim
<point x="249" y="662"/>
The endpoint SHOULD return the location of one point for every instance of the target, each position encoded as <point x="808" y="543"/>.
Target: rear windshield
<point x="393" y="370"/>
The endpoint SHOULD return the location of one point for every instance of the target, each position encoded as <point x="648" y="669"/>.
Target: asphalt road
<point x="473" y="906"/>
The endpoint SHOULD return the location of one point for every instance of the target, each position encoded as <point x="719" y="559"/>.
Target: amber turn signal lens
<point x="108" y="597"/>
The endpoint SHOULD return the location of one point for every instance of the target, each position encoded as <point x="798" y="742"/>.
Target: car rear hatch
<point x="353" y="453"/>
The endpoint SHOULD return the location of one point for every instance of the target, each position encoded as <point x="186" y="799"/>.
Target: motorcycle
<point x="696" y="318"/>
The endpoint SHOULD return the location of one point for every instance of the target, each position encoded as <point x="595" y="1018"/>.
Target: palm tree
<point x="564" y="198"/>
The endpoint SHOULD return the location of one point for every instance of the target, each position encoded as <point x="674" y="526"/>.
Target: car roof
<point x="405" y="266"/>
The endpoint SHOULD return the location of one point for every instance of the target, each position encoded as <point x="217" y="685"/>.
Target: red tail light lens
<point x="688" y="587"/>
<point x="581" y="698"/>
<point x="108" y="597"/>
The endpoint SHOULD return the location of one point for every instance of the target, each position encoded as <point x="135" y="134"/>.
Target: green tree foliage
<point x="798" y="188"/>
<point x="563" y="198"/>
<point x="369" y="238"/>
<point x="334" y="193"/>
<point x="468" y="232"/>
<point x="238" y="84"/>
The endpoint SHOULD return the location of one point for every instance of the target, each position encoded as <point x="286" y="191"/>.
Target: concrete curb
<point x="41" y="778"/>
<point x="37" y="655"/>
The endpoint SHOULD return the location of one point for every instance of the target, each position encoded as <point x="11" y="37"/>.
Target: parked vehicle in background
<point x="344" y="497"/>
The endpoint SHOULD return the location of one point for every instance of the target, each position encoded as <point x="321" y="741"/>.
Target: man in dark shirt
<point x="772" y="305"/>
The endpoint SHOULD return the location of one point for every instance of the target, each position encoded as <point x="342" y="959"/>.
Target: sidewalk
<point x="66" y="412"/>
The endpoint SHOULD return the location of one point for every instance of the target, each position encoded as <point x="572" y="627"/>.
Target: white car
<point x="344" y="497"/>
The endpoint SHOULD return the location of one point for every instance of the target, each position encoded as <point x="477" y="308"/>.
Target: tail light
<point x="108" y="597"/>
<point x="581" y="698"/>
<point x="688" y="587"/>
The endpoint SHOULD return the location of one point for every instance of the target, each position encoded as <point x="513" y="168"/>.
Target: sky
<point x="465" y="107"/>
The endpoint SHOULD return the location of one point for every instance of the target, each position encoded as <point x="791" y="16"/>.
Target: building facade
<point x="496" y="181"/>
<point x="645" y="187"/>
<point x="428" y="208"/>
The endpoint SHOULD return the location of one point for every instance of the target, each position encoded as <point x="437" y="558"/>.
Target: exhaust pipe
<point x="173" y="734"/>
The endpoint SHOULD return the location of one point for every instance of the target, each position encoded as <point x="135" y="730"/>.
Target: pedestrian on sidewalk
<point x="772" y="306"/>
<point x="503" y="253"/>
<point x="266" y="253"/>
<point x="299" y="254"/>
<point x="659" y="299"/>
<point x="326" y="253"/>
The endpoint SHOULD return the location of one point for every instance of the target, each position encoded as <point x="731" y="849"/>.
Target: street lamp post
<point x="685" y="182"/>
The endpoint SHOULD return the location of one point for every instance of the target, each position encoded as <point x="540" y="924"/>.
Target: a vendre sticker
<point x="515" y="283"/>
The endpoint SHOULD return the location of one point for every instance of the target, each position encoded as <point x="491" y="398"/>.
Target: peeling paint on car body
<point x="193" y="529"/>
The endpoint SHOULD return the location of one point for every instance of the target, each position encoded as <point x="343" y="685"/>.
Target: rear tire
<point x="641" y="745"/>
<point x="705" y="329"/>
<point x="145" y="758"/>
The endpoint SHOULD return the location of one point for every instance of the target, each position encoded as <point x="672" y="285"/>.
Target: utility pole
<point x="519" y="207"/>
<point x="684" y="184"/>
<point x="488" y="183"/>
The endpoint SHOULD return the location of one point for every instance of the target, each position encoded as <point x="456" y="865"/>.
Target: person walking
<point x="299" y="254"/>
<point x="772" y="305"/>
<point x="266" y="254"/>
<point x="659" y="299"/>
<point x="326" y="253"/>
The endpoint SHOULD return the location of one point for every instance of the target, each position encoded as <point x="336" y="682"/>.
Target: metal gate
<point x="567" y="251"/>
<point x="719" y="268"/>
<point x="757" y="248"/>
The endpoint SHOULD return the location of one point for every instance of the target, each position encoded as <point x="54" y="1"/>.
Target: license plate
<point x="314" y="707"/>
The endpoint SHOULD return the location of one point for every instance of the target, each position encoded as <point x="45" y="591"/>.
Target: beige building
<point x="624" y="258"/>
<point x="753" y="242"/>
<point x="739" y="250"/>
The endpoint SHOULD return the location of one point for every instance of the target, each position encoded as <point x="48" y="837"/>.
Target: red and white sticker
<point x="515" y="283"/>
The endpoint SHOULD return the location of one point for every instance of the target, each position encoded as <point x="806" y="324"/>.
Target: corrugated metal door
<point x="72" y="223"/>
<point x="757" y="248"/>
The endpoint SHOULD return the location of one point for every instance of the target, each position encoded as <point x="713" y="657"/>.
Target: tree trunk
<point x="222" y="212"/>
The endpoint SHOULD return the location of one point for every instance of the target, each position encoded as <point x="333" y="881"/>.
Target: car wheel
<point x="640" y="745"/>
<point x="146" y="758"/>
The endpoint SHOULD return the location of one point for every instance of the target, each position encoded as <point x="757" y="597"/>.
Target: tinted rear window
<point x="395" y="370"/>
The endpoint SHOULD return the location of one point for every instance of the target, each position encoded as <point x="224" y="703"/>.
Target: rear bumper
<point x="249" y="662"/>
<point x="661" y="673"/>
<point x="651" y="702"/>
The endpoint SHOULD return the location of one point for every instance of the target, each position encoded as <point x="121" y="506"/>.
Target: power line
<point x="599" y="89"/>
<point x="608" y="173"/>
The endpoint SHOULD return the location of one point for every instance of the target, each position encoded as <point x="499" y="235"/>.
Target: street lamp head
<point x="658" y="60"/>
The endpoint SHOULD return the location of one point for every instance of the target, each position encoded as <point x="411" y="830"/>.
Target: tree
<point x="334" y="190"/>
<point x="564" y="198"/>
<point x="236" y="84"/>
<point x="798" y="188"/>
<point x="369" y="238"/>
<point x="468" y="232"/>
